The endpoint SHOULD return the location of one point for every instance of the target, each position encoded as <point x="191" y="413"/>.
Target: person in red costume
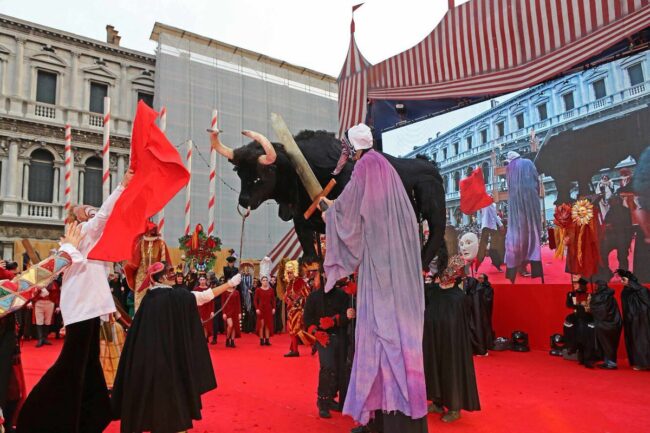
<point x="264" y="309"/>
<point x="231" y="306"/>
<point x="295" y="297"/>
<point x="206" y="311"/>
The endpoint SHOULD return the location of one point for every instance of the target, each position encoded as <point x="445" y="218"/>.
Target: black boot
<point x="39" y="333"/>
<point x="267" y="342"/>
<point x="46" y="331"/>
<point x="262" y="342"/>
<point x="232" y="342"/>
<point x="323" y="407"/>
<point x="227" y="342"/>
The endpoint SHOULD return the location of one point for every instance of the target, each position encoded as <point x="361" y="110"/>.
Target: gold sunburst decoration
<point x="582" y="212"/>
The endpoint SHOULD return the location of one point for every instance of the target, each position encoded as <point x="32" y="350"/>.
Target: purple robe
<point x="372" y="225"/>
<point x="524" y="214"/>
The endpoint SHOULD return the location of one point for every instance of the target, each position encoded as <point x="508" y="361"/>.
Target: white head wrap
<point x="360" y="136"/>
<point x="512" y="155"/>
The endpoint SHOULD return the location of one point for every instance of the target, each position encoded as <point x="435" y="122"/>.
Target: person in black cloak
<point x="326" y="317"/>
<point x="579" y="325"/>
<point x="164" y="397"/>
<point x="487" y="294"/>
<point x="607" y="323"/>
<point x="635" y="300"/>
<point x="478" y="318"/>
<point x="448" y="363"/>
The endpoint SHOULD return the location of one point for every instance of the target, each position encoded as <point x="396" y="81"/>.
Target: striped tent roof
<point x="288" y="247"/>
<point x="490" y="47"/>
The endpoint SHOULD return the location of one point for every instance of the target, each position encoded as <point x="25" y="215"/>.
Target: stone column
<point x="25" y="192"/>
<point x="74" y="87"/>
<point x="55" y="186"/>
<point x="16" y="105"/>
<point x="120" y="168"/>
<point x="80" y="191"/>
<point x="12" y="171"/>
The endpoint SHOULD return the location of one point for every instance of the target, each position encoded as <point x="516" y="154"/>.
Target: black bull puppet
<point x="267" y="174"/>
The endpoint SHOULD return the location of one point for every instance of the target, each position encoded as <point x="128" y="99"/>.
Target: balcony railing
<point x="568" y="116"/>
<point x="96" y="120"/>
<point x="48" y="111"/>
<point x="31" y="211"/>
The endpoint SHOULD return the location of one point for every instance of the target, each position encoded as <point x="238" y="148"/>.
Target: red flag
<point x="159" y="175"/>
<point x="473" y="196"/>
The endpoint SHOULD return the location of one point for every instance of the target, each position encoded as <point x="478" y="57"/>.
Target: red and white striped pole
<point x="106" y="173"/>
<point x="213" y="178"/>
<point x="68" y="168"/>
<point x="161" y="214"/>
<point x="188" y="188"/>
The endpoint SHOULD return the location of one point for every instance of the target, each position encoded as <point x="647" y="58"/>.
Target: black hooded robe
<point x="635" y="300"/>
<point x="607" y="322"/>
<point x="165" y="365"/>
<point x="448" y="362"/>
<point x="479" y="304"/>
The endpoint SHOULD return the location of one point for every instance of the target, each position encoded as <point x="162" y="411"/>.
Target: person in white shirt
<point x="492" y="233"/>
<point x="165" y="364"/>
<point x="72" y="396"/>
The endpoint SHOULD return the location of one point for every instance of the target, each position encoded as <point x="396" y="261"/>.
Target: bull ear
<point x="269" y="152"/>
<point x="221" y="148"/>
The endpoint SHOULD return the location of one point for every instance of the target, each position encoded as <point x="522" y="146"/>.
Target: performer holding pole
<point x="188" y="188"/>
<point x="106" y="170"/>
<point x="213" y="178"/>
<point x="161" y="215"/>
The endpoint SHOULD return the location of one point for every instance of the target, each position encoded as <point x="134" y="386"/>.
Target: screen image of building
<point x="571" y="103"/>
<point x="195" y="75"/>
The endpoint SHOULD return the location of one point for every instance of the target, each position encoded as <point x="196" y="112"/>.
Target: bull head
<point x="256" y="172"/>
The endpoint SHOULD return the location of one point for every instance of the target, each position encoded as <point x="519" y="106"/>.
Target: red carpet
<point x="260" y="391"/>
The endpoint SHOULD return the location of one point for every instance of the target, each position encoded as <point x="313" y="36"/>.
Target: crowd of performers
<point x="394" y="344"/>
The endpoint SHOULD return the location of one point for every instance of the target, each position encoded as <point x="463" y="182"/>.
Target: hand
<point x="73" y="235"/>
<point x="273" y="311"/>
<point x="351" y="313"/>
<point x="225" y="317"/>
<point x="57" y="310"/>
<point x="127" y="177"/>
<point x="44" y="292"/>
<point x="234" y="281"/>
<point x="3" y="264"/>
<point x="239" y="316"/>
<point x="257" y="312"/>
<point x="327" y="201"/>
<point x="30" y="306"/>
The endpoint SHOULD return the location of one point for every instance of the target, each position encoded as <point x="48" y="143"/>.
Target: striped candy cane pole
<point x="213" y="179"/>
<point x="188" y="188"/>
<point x="161" y="214"/>
<point x="106" y="176"/>
<point x="68" y="167"/>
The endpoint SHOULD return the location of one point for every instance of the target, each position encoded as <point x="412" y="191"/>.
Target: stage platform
<point x="260" y="391"/>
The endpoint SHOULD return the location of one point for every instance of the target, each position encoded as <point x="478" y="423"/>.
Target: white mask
<point x="468" y="246"/>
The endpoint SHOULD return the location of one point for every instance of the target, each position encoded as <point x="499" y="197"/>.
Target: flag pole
<point x="68" y="169"/>
<point x="106" y="175"/>
<point x="213" y="178"/>
<point x="161" y="214"/>
<point x="188" y="188"/>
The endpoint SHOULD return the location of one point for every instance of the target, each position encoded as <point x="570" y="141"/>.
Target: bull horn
<point x="269" y="152"/>
<point x="217" y="145"/>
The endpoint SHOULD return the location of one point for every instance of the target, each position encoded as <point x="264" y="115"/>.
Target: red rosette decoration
<point x="322" y="337"/>
<point x="351" y="288"/>
<point x="326" y="323"/>
<point x="562" y="216"/>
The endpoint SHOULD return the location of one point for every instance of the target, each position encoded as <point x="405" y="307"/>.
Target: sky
<point x="309" y="33"/>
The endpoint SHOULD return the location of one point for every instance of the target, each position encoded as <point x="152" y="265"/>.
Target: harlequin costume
<point x="295" y="297"/>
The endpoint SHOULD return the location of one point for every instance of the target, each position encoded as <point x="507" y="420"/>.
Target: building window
<point x="469" y="143"/>
<point x="46" y="87"/>
<point x="147" y="98"/>
<point x="444" y="154"/>
<point x="635" y="72"/>
<point x="519" y="118"/>
<point x="455" y="146"/>
<point x="501" y="129"/>
<point x="483" y="136"/>
<point x="569" y="103"/>
<point x="485" y="167"/>
<point x="542" y="112"/>
<point x="98" y="91"/>
<point x="457" y="181"/>
<point x="41" y="176"/>
<point x="599" y="89"/>
<point x="93" y="182"/>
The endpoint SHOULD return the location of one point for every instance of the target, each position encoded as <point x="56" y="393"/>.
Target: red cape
<point x="473" y="196"/>
<point x="159" y="175"/>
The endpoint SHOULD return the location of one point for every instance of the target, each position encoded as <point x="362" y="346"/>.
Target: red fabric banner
<point x="159" y="174"/>
<point x="473" y="195"/>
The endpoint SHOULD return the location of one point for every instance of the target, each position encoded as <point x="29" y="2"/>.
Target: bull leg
<point x="306" y="239"/>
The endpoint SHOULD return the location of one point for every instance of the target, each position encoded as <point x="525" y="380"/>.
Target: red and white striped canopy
<point x="490" y="47"/>
<point x="288" y="247"/>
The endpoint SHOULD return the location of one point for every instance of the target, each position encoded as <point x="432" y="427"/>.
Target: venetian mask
<point x="468" y="246"/>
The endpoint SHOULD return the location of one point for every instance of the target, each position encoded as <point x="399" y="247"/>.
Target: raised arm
<point x="208" y="295"/>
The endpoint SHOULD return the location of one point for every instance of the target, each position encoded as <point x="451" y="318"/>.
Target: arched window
<point x="93" y="182"/>
<point x="41" y="176"/>
<point x="486" y="171"/>
<point x="457" y="181"/>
